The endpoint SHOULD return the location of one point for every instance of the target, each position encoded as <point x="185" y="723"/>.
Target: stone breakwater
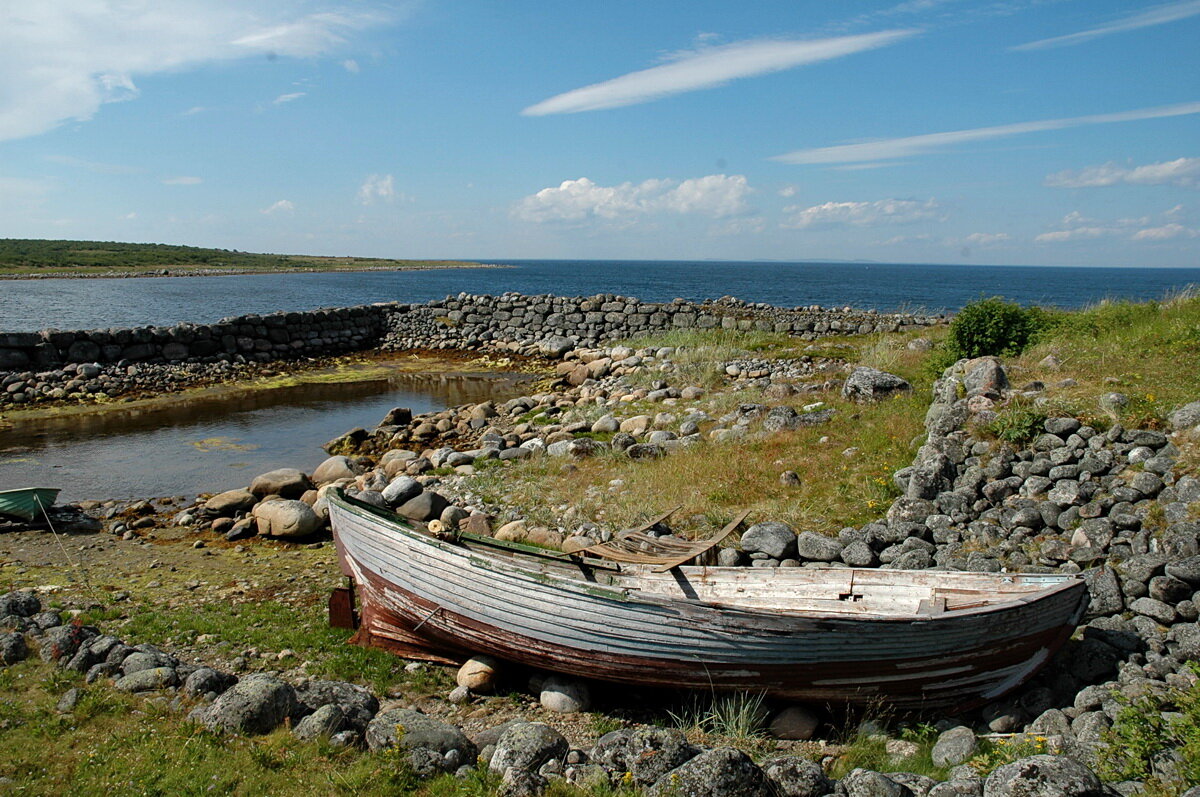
<point x="514" y="321"/>
<point x="55" y="364"/>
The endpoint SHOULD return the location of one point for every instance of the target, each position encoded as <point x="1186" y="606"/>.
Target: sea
<point x="28" y="305"/>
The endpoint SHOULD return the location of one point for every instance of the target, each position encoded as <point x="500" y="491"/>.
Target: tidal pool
<point x="217" y="442"/>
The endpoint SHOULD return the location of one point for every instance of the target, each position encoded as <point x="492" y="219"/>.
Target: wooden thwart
<point x="636" y="547"/>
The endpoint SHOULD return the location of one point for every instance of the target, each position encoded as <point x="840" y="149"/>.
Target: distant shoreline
<point x="232" y="272"/>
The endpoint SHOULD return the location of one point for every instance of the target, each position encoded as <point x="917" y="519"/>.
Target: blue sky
<point x="1058" y="132"/>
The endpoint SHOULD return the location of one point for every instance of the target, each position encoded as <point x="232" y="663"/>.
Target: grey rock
<point x="1184" y="642"/>
<point x="257" y="704"/>
<point x="1186" y="570"/>
<point x="527" y="746"/>
<point x="955" y="746"/>
<point x="564" y="695"/>
<point x="722" y="772"/>
<point x="1043" y="776"/>
<point x="776" y="540"/>
<point x="68" y="701"/>
<point x="1186" y="416"/>
<point x="64" y="641"/>
<point x="22" y="604"/>
<point x="357" y="704"/>
<point x="229" y="502"/>
<point x="286" y="518"/>
<point x="334" y="468"/>
<point x="871" y="384"/>
<point x="146" y="660"/>
<point x="206" y="680"/>
<point x="426" y="506"/>
<point x="646" y="753"/>
<point x="401" y="489"/>
<point x="13" y="648"/>
<point x="1104" y="592"/>
<point x="817" y="547"/>
<point x="866" y="783"/>
<point x="285" y="482"/>
<point x="148" y="680"/>
<point x="919" y="785"/>
<point x="325" y="721"/>
<point x="958" y="787"/>
<point x="793" y="776"/>
<point x="1156" y="610"/>
<point x="555" y="345"/>
<point x="418" y="734"/>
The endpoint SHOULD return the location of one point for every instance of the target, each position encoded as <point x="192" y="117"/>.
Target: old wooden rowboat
<point x="27" y="502"/>
<point x="916" y="639"/>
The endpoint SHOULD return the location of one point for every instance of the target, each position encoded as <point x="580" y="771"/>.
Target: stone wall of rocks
<point x="262" y="338"/>
<point x="466" y="321"/>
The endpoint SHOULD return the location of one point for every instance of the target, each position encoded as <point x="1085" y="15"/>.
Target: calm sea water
<point x="27" y="305"/>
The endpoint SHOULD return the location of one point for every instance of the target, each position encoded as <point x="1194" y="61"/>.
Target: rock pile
<point x="526" y="756"/>
<point x="471" y="322"/>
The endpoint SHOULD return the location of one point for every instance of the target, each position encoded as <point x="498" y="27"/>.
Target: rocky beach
<point x="850" y="442"/>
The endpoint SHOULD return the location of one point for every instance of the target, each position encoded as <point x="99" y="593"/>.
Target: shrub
<point x="992" y="327"/>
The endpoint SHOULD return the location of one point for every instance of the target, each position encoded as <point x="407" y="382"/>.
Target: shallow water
<point x="217" y="443"/>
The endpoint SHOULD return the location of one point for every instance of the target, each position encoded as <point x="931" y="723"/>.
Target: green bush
<point x="992" y="327"/>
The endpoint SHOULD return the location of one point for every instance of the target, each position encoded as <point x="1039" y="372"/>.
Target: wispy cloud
<point x="195" y="109"/>
<point x="1076" y="227"/>
<point x="182" y="180"/>
<point x="861" y="214"/>
<point x="1161" y="15"/>
<point x="378" y="187"/>
<point x="709" y="66"/>
<point x="1183" y="172"/>
<point x="282" y="98"/>
<point x="351" y="66"/>
<point x="909" y="146"/>
<point x="986" y="238"/>
<point x="715" y="195"/>
<point x="63" y="60"/>
<point x="282" y="206"/>
<point x="93" y="166"/>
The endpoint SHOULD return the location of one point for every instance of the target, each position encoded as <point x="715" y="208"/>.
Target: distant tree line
<point x="27" y="253"/>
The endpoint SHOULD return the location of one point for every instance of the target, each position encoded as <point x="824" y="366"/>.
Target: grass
<point x="736" y="719"/>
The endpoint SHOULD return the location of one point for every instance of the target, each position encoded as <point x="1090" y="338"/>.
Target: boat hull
<point x="27" y="503"/>
<point x="429" y="599"/>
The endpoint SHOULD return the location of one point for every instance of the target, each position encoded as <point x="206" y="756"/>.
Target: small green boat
<point x="27" y="503"/>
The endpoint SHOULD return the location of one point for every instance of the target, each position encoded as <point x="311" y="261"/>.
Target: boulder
<point x="256" y="704"/>
<point x="866" y="783"/>
<point x="777" y="540"/>
<point x="205" y="680"/>
<point x="479" y="674"/>
<point x="286" y="518"/>
<point x="527" y="746"/>
<point x="356" y="704"/>
<point x="721" y="772"/>
<point x="19" y="604"/>
<point x="555" y="345"/>
<point x="13" y="648"/>
<point x="1186" y="416"/>
<point x="793" y="776"/>
<point x="955" y="747"/>
<point x="148" y="680"/>
<point x="325" y="721"/>
<point x="871" y="384"/>
<point x="564" y="695"/>
<point x="646" y="753"/>
<point x="985" y="377"/>
<point x="230" y="502"/>
<point x="795" y="723"/>
<point x="1043" y="776"/>
<point x="334" y="468"/>
<point x="401" y="489"/>
<point x="817" y="547"/>
<point x="285" y="482"/>
<point x="426" y="506"/>
<point x="430" y="743"/>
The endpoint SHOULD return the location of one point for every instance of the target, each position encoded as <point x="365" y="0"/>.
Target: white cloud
<point x="282" y="206"/>
<point x="1077" y="227"/>
<point x="131" y="216"/>
<point x="62" y="60"/>
<point x="861" y="214"/>
<point x="378" y="187"/>
<point x="195" y="109"/>
<point x="787" y="191"/>
<point x="1181" y="171"/>
<point x="909" y="146"/>
<point x="351" y="66"/>
<point x="1160" y="15"/>
<point x="709" y="66"/>
<point x="93" y="166"/>
<point x="986" y="238"/>
<point x="1165" y="232"/>
<point x="282" y="98"/>
<point x="182" y="180"/>
<point x="716" y="196"/>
